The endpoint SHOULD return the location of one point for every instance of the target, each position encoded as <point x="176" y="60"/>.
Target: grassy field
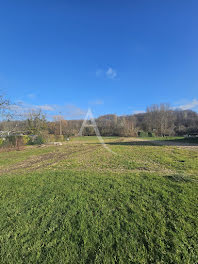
<point x="78" y="203"/>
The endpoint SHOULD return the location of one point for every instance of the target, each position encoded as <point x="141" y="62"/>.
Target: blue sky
<point x="113" y="56"/>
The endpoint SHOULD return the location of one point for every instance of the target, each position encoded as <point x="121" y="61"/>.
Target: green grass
<point x="86" y="205"/>
<point x="91" y="139"/>
<point x="163" y="138"/>
<point x="176" y="139"/>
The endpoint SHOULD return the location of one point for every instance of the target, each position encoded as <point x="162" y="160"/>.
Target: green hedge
<point x="146" y="134"/>
<point x="142" y="134"/>
<point x="13" y="141"/>
<point x="151" y="134"/>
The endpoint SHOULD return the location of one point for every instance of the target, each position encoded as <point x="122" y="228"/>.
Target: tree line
<point x="158" y="120"/>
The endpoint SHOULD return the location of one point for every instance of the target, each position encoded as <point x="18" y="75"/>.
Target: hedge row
<point x="145" y="134"/>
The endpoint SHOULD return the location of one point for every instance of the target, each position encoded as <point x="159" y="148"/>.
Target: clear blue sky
<point x="113" y="56"/>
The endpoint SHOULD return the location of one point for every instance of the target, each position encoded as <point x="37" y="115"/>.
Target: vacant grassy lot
<point x="78" y="203"/>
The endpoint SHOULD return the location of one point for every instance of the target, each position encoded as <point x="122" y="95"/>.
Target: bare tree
<point x="160" y="118"/>
<point x="36" y="121"/>
<point x="4" y="106"/>
<point x="60" y="124"/>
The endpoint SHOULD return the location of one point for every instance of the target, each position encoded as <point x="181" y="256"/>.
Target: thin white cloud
<point x="72" y="111"/>
<point x="97" y="102"/>
<point x="14" y="107"/>
<point x="111" y="73"/>
<point x="31" y="96"/>
<point x="21" y="109"/>
<point x="45" y="107"/>
<point x="68" y="111"/>
<point x="190" y="105"/>
<point x="138" y="112"/>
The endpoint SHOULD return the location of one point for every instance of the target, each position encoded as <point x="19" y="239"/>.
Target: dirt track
<point x="40" y="161"/>
<point x="45" y="160"/>
<point x="49" y="159"/>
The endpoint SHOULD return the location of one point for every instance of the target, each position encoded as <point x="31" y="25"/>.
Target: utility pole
<point x="60" y="125"/>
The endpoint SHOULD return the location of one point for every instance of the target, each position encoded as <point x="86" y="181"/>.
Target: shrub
<point x="1" y="141"/>
<point x="151" y="134"/>
<point x="39" y="140"/>
<point x="142" y="134"/>
<point x="51" y="138"/>
<point x="14" y="141"/>
<point x="36" y="140"/>
<point x="26" y="139"/>
<point x="59" y="138"/>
